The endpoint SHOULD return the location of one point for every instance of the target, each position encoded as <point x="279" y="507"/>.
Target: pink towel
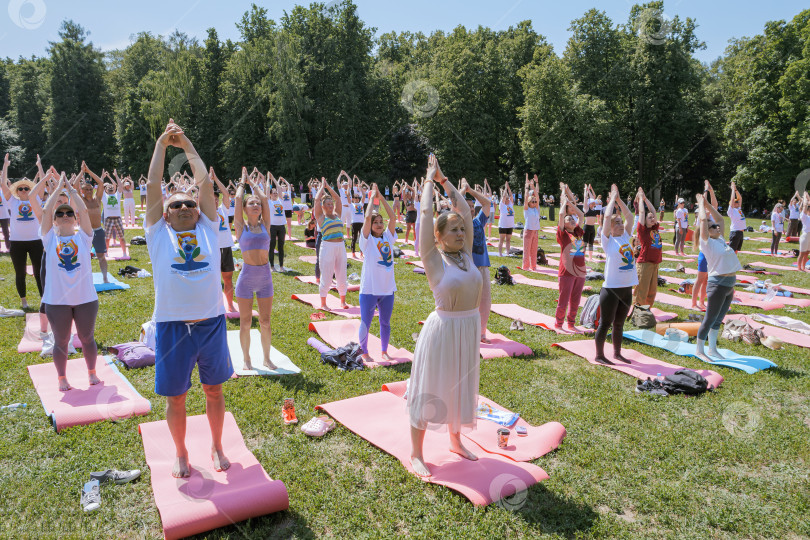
<point x="312" y="281"/>
<point x="340" y="333"/>
<point x="382" y="419"/>
<point x="208" y="499"/>
<point x="332" y="302"/>
<point x="641" y="367"/>
<point x="114" y="398"/>
<point x="31" y="341"/>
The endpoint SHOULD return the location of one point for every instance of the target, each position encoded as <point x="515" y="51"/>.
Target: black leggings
<point x="21" y="250"/>
<point x="356" y="228"/>
<point x="589" y="236"/>
<point x="614" y="305"/>
<point x="775" y="242"/>
<point x="318" y="256"/>
<point x="4" y="226"/>
<point x="277" y="233"/>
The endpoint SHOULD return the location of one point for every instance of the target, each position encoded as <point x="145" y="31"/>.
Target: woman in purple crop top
<point x="250" y="219"/>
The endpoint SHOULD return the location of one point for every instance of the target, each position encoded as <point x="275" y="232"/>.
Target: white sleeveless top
<point x="458" y="290"/>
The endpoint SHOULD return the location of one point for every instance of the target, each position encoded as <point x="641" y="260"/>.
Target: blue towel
<point x="113" y="285"/>
<point x="502" y="418"/>
<point x="749" y="364"/>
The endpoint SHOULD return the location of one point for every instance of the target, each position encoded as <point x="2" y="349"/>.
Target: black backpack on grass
<point x="541" y="257"/>
<point x="686" y="381"/>
<point x="503" y="276"/>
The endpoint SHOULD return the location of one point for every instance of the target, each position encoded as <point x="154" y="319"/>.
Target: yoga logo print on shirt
<point x="222" y="226"/>
<point x="24" y="212"/>
<point x="278" y="209"/>
<point x="510" y="212"/>
<point x="386" y="257"/>
<point x="627" y="257"/>
<point x="285" y="196"/>
<point x="112" y="200"/>
<point x="190" y="257"/>
<point x="68" y="254"/>
<point x="358" y="209"/>
<point x="579" y="248"/>
<point x="656" y="240"/>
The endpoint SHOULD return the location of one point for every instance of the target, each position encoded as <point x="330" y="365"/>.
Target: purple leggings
<point x="367" y="304"/>
<point x="61" y="319"/>
<point x="255" y="279"/>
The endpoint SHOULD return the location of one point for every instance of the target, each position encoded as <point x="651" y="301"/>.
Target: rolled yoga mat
<point x="748" y="364"/>
<point x="382" y="419"/>
<point x="641" y="366"/>
<point x="112" y="399"/>
<point x="207" y="499"/>
<point x="318" y="345"/>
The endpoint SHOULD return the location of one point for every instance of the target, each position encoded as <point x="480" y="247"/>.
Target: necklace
<point x="457" y="258"/>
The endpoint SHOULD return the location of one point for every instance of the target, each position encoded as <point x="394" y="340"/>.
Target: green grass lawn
<point x="732" y="463"/>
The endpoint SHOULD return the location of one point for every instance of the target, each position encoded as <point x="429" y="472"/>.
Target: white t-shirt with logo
<point x="286" y="200"/>
<point x="277" y="216"/>
<point x="344" y="201"/>
<point x="682" y="217"/>
<point x="620" y="267"/>
<point x="794" y="211"/>
<point x="186" y="272"/>
<point x="70" y="274"/>
<point x="232" y="206"/>
<point x="377" y="277"/>
<point x="777" y="219"/>
<point x="506" y="219"/>
<point x="112" y="204"/>
<point x="24" y="225"/>
<point x="532" y="217"/>
<point x="358" y="213"/>
<point x="737" y="219"/>
<point x="720" y="258"/>
<point x="224" y="227"/>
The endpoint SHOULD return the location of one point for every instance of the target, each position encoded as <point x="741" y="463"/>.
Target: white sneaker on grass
<point x="91" y="496"/>
<point x="116" y="476"/>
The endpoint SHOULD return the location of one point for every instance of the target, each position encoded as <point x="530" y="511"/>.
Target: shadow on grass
<point x="286" y="524"/>
<point x="549" y="513"/>
<point x="299" y="382"/>
<point x="787" y="373"/>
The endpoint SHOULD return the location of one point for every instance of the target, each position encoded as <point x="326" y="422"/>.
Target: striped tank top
<point x="332" y="229"/>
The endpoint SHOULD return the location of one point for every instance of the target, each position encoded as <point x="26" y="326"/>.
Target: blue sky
<point x="28" y="25"/>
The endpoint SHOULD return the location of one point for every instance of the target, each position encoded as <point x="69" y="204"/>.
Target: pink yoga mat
<point x="312" y="281"/>
<point x="235" y="313"/>
<point x="340" y="333"/>
<point x="418" y="264"/>
<point x="774" y="266"/>
<point x="541" y="270"/>
<point x="757" y="299"/>
<point x="208" y="499"/>
<point x="538" y="441"/>
<point x="303" y="245"/>
<point x="311" y="259"/>
<point x="642" y="366"/>
<point x="116" y="253"/>
<point x="332" y="302"/>
<point x="409" y="253"/>
<point x="31" y="342"/>
<point x="788" y="336"/>
<point x="382" y="419"/>
<point x="502" y="346"/>
<point x="553" y="285"/>
<point x="686" y="303"/>
<point x="114" y="398"/>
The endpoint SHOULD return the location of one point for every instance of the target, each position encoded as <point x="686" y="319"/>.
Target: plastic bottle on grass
<point x="14" y="406"/>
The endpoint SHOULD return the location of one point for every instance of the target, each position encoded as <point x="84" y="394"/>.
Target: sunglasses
<point x="714" y="226"/>
<point x="176" y="205"/>
<point x="60" y="213"/>
<point x="23" y="188"/>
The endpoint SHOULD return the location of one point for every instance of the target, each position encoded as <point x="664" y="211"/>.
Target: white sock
<point x="713" y="333"/>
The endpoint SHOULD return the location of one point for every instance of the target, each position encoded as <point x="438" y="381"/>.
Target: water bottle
<point x="14" y="406"/>
<point x="659" y="378"/>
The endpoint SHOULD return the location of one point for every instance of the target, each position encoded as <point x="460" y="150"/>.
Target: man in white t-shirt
<point x="113" y="225"/>
<point x="738" y="225"/>
<point x="189" y="312"/>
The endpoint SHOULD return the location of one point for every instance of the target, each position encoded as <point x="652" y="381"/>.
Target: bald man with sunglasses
<point x="182" y="238"/>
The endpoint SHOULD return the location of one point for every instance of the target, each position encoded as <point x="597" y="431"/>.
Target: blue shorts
<point x="703" y="264"/>
<point x="179" y="346"/>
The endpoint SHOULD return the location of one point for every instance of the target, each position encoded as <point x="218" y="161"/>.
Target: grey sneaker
<point x="91" y="497"/>
<point x="119" y="477"/>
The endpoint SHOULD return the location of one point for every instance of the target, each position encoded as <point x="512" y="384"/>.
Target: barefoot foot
<point x="621" y="358"/>
<point x="64" y="385"/>
<point x="269" y="365"/>
<point x="387" y="357"/>
<point x="419" y="467"/>
<point x="463" y="452"/>
<point x="221" y="462"/>
<point x="180" y="469"/>
<point x="603" y="360"/>
<point x="92" y="377"/>
<point x="714" y="353"/>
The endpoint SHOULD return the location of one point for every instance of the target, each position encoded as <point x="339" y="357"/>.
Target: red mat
<point x="339" y="333"/>
<point x="535" y="318"/>
<point x="208" y="499"/>
<point x="382" y="419"/>
<point x="502" y="346"/>
<point x="553" y="285"/>
<point x="310" y="259"/>
<point x="538" y="441"/>
<point x="540" y="270"/>
<point x="788" y="336"/>
<point x="332" y="302"/>
<point x="235" y="313"/>
<point x="113" y="399"/>
<point x="754" y="298"/>
<point x="642" y="366"/>
<point x="312" y="281"/>
<point x="686" y="303"/>
<point x="31" y="342"/>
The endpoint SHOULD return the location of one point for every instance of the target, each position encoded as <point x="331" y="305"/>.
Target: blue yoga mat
<point x="749" y="364"/>
<point x="113" y="285"/>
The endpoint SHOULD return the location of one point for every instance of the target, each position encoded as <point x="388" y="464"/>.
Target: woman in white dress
<point x="444" y="378"/>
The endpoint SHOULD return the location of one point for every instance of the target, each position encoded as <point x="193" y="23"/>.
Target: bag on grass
<point x="138" y="241"/>
<point x="643" y="317"/>
<point x="589" y="318"/>
<point x="503" y="276"/>
<point x="594" y="276"/>
<point x="662" y="282"/>
<point x="541" y="257"/>
<point x="751" y="335"/>
<point x="686" y="286"/>
<point x="346" y="358"/>
<point x="685" y="381"/>
<point x="733" y="330"/>
<point x="148" y="334"/>
<point x="676" y="334"/>
<point x="134" y="354"/>
<point x="397" y="252"/>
